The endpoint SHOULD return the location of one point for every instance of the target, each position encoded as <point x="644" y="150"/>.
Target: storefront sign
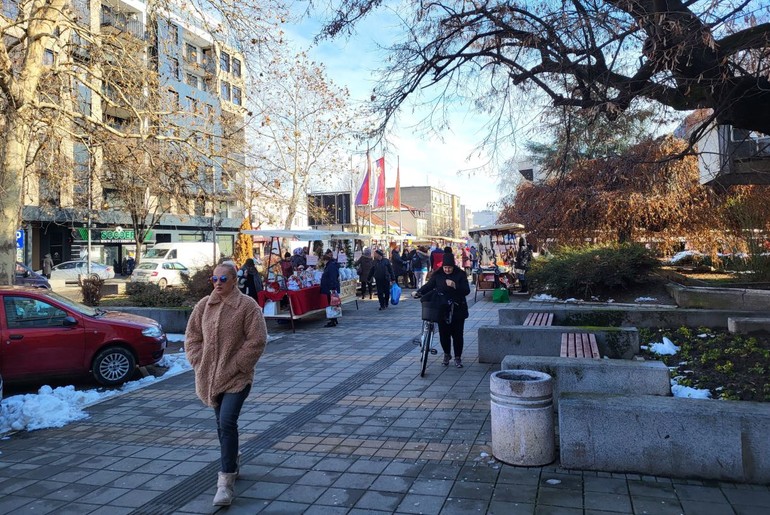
<point x="108" y="235"/>
<point x="20" y="239"/>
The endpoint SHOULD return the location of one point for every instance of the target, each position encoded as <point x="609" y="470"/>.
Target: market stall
<point x="299" y="296"/>
<point x="496" y="246"/>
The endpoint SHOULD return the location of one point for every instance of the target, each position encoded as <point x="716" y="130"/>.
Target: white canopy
<point x="511" y="227"/>
<point x="303" y="235"/>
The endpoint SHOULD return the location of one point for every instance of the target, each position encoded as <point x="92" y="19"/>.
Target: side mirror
<point x="26" y="273"/>
<point x="69" y="321"/>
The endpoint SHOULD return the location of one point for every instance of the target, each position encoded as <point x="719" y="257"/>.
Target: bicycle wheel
<point x="427" y="340"/>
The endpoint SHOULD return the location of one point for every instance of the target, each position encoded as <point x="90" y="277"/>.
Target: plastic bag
<point x="500" y="295"/>
<point x="395" y="293"/>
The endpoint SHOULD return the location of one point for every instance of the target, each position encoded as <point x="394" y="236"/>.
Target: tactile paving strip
<point x="184" y="492"/>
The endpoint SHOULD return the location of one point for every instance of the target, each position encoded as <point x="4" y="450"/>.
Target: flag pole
<point x="398" y="187"/>
<point x="385" y="186"/>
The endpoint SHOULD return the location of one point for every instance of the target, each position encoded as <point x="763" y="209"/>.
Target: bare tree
<point x="305" y="122"/>
<point x="602" y="55"/>
<point x="61" y="75"/>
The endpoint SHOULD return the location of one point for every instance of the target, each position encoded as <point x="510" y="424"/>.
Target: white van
<point x="192" y="254"/>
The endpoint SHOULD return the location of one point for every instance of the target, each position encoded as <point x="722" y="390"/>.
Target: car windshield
<point x="156" y="253"/>
<point x="75" y="306"/>
<point x="147" y="266"/>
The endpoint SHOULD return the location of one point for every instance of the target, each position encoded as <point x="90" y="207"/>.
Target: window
<point x="190" y="53"/>
<point x="48" y="57"/>
<point x="191" y="80"/>
<point x="173" y="33"/>
<point x="224" y="90"/>
<point x="224" y="62"/>
<point x="236" y="67"/>
<point x="236" y="95"/>
<point x="173" y="65"/>
<point x="173" y="99"/>
<point x="23" y="312"/>
<point x="192" y="104"/>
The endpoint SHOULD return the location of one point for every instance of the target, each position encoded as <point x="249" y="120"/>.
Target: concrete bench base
<point x="666" y="436"/>
<point x="747" y="325"/>
<point x="719" y="298"/>
<point x="497" y="342"/>
<point x="628" y="316"/>
<point x="586" y="375"/>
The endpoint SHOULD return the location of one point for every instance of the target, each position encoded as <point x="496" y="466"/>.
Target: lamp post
<point x="88" y="219"/>
<point x="214" y="215"/>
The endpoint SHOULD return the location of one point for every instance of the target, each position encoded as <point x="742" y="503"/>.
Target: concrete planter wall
<point x="719" y="298"/>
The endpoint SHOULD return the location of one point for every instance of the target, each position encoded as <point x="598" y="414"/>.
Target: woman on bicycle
<point x="453" y="283"/>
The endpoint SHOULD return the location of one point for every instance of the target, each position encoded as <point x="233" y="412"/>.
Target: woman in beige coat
<point x="225" y="337"/>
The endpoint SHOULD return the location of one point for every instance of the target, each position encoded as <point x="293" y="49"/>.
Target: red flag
<point x="397" y="192"/>
<point x="362" y="199"/>
<point x="379" y="198"/>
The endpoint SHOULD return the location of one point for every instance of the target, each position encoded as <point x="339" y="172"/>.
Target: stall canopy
<point x="511" y="227"/>
<point x="304" y="235"/>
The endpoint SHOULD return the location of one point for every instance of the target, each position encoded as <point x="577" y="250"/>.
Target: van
<point x="192" y="254"/>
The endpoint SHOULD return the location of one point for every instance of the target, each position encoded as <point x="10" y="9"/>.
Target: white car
<point x="162" y="273"/>
<point x="70" y="270"/>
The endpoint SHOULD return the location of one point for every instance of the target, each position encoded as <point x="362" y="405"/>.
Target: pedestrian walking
<point x="363" y="266"/>
<point x="382" y="272"/>
<point x="407" y="268"/>
<point x="451" y="282"/>
<point x="436" y="257"/>
<point x="421" y="265"/>
<point x="398" y="264"/>
<point x="330" y="281"/>
<point x="249" y="281"/>
<point x="47" y="266"/>
<point x="225" y="337"/>
<point x="466" y="257"/>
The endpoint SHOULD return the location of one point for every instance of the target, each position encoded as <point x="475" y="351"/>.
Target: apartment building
<point x="441" y="209"/>
<point x="201" y="79"/>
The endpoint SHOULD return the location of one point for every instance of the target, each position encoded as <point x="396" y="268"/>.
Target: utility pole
<point x="214" y="215"/>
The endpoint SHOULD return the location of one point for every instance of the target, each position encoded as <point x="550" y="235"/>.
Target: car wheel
<point x="113" y="365"/>
<point x="162" y="283"/>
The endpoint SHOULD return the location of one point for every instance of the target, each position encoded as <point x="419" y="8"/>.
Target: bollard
<point x="522" y="417"/>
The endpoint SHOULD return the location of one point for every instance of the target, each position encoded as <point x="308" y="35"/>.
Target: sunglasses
<point x="220" y="279"/>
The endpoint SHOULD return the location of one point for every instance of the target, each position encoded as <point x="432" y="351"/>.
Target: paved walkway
<point x="338" y="421"/>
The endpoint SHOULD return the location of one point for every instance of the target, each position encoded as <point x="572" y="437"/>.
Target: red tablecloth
<point x="302" y="301"/>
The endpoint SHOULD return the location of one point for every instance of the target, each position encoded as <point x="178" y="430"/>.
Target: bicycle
<point x="429" y="315"/>
<point x="426" y="344"/>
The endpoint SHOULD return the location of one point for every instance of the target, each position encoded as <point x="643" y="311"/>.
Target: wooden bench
<point x="579" y="345"/>
<point x="539" y="319"/>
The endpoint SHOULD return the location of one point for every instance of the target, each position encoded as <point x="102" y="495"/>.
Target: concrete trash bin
<point x="522" y="417"/>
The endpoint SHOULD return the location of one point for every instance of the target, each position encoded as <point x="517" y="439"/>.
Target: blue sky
<point x="424" y="160"/>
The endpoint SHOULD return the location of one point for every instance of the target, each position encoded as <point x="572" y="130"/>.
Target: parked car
<point x="46" y="335"/>
<point x="162" y="273"/>
<point x="192" y="254"/>
<point x="25" y="276"/>
<point x="70" y="270"/>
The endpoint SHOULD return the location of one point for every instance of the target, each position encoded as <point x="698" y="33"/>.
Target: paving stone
<point x="346" y="497"/>
<point x="382" y="501"/>
<point x="656" y="505"/>
<point x="693" y="507"/>
<point x="607" y="502"/>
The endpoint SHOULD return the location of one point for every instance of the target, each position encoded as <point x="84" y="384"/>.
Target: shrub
<point x="91" y="289"/>
<point x="592" y="270"/>
<point x="152" y="296"/>
<point x="198" y="285"/>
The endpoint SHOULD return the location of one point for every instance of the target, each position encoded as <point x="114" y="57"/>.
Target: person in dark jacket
<point x="364" y="265"/>
<point x="436" y="257"/>
<point x="287" y="268"/>
<point x="452" y="282"/>
<point x="523" y="257"/>
<point x="382" y="272"/>
<point x="398" y="264"/>
<point x="298" y="259"/>
<point x="249" y="282"/>
<point x="330" y="280"/>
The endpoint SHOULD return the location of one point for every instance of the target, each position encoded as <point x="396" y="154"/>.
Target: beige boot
<point x="225" y="489"/>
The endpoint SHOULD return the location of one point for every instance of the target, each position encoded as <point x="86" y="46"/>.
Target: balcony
<point x="123" y="23"/>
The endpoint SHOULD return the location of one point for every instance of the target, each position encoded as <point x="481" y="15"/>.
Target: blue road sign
<point x="20" y="239"/>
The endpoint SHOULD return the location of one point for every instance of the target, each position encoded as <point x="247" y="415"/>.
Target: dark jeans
<point x="364" y="285"/>
<point x="383" y="293"/>
<point x="452" y="333"/>
<point x="227" y="413"/>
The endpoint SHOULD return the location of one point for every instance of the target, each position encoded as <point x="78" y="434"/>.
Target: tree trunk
<point x="15" y="145"/>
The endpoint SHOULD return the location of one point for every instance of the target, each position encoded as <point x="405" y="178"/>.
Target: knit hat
<point x="448" y="259"/>
<point x="380" y="252"/>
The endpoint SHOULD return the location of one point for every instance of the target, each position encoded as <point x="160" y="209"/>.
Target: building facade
<point x="196" y="82"/>
<point x="441" y="209"/>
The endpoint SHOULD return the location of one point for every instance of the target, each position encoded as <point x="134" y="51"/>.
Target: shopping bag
<point x="334" y="299"/>
<point x="395" y="294"/>
<point x="500" y="295"/>
<point x="333" y="311"/>
<point x="271" y="308"/>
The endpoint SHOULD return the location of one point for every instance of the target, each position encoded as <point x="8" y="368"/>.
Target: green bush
<point x="91" y="289"/>
<point x="587" y="271"/>
<point x="152" y="296"/>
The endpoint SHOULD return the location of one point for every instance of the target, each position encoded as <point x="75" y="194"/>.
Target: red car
<point x="46" y="335"/>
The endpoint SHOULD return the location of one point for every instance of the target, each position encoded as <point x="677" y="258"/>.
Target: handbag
<point x="395" y="294"/>
<point x="333" y="311"/>
<point x="334" y="299"/>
